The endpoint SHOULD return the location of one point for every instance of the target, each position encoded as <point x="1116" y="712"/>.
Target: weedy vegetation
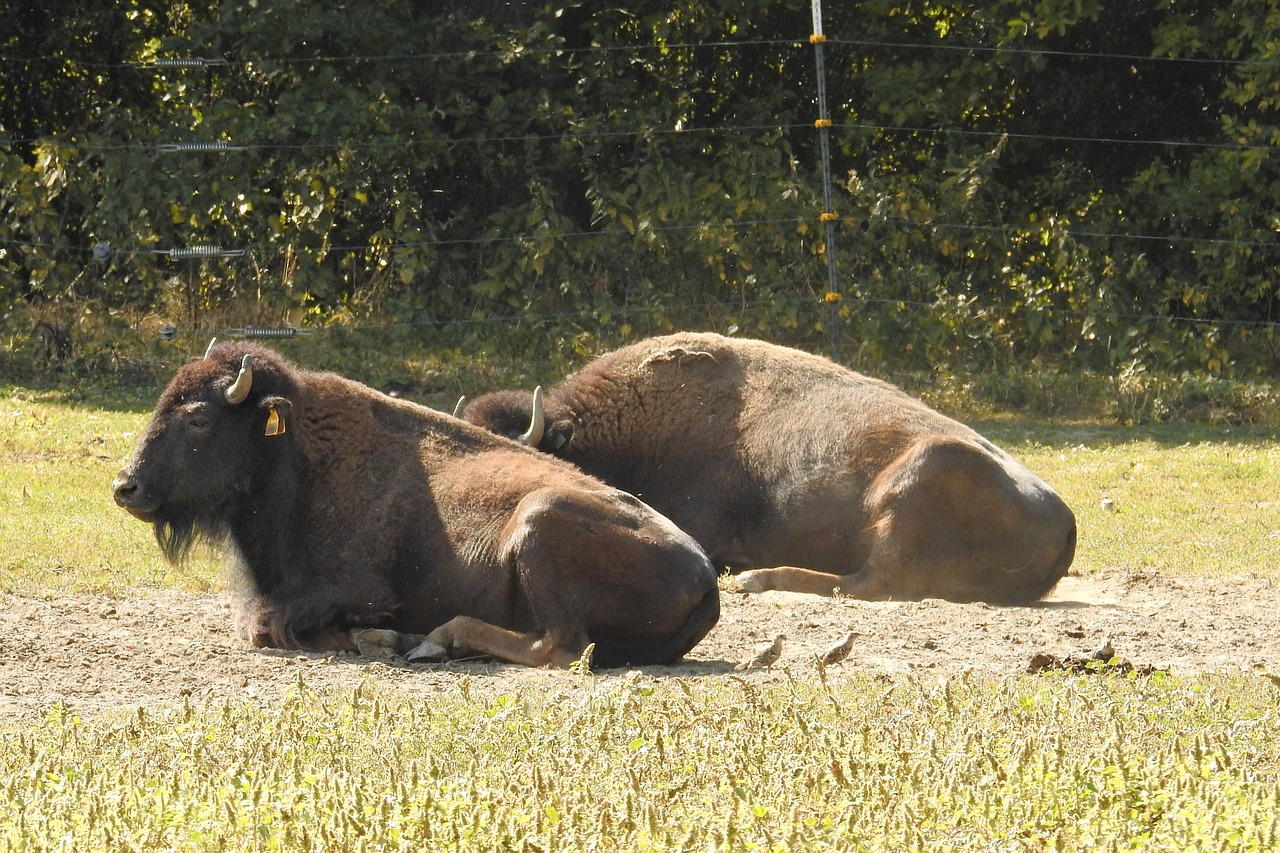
<point x="848" y="763"/>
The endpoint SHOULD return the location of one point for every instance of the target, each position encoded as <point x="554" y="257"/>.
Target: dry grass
<point x="630" y="764"/>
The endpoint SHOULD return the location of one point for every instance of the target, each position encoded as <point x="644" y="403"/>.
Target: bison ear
<point x="558" y="436"/>
<point x="278" y="411"/>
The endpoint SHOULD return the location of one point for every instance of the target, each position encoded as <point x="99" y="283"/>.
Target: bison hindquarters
<point x="596" y="567"/>
<point x="950" y="519"/>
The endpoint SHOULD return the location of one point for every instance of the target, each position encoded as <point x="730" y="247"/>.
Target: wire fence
<point x="174" y="64"/>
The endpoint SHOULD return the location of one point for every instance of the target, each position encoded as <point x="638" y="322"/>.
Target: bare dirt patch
<point x="159" y="647"/>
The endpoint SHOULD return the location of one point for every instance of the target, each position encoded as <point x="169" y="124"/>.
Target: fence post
<point x="829" y="216"/>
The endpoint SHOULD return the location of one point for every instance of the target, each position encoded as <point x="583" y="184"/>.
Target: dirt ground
<point x="155" y="647"/>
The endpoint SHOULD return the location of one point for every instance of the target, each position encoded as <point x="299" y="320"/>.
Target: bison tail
<point x="701" y="620"/>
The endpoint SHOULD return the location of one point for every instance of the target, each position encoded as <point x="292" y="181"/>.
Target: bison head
<point x="518" y="416"/>
<point x="206" y="444"/>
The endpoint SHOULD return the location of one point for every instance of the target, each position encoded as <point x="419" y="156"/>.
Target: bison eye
<point x="199" y="422"/>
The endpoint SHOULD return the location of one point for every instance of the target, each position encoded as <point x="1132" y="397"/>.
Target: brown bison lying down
<point x="350" y="510"/>
<point x="818" y="478"/>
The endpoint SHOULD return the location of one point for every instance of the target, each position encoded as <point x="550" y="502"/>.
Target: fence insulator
<point x="200" y="252"/>
<point x="186" y="62"/>
<point x="265" y="332"/>
<point x="219" y="145"/>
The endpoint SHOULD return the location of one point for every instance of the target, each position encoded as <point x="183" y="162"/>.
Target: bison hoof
<point x="750" y="582"/>
<point x="375" y="642"/>
<point x="426" y="650"/>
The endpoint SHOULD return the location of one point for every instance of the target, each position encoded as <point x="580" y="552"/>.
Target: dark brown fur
<point x="369" y="512"/>
<point x="771" y="457"/>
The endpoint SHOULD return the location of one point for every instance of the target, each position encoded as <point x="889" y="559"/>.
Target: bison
<point x="809" y="475"/>
<point x="355" y="513"/>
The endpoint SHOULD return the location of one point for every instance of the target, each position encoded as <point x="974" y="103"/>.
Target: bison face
<point x="198" y="456"/>
<point x="520" y="417"/>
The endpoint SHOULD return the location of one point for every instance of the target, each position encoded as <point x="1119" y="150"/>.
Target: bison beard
<point x="350" y="510"/>
<point x="178" y="535"/>
<point x="180" y="527"/>
<point x="811" y="476"/>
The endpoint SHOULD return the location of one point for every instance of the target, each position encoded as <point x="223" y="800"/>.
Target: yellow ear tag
<point x="275" y="423"/>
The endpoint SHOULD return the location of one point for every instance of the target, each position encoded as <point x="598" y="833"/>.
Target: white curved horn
<point x="209" y="348"/>
<point x="457" y="410"/>
<point x="239" y="389"/>
<point x="537" y="421"/>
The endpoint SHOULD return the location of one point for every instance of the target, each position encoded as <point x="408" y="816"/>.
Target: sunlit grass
<point x="1184" y="500"/>
<point x="60" y="530"/>
<point x="629" y="763"/>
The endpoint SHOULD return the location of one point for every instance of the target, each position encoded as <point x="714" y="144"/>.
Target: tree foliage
<point x="1044" y="182"/>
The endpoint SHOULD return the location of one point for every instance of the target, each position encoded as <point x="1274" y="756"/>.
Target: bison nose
<point x="124" y="489"/>
<point x="134" y="497"/>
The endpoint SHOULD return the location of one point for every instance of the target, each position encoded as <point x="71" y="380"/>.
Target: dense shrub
<point x="1057" y="184"/>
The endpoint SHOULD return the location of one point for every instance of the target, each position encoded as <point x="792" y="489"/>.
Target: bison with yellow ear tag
<point x="351" y="511"/>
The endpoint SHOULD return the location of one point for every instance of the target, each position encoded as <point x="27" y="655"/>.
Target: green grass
<point x="60" y="531"/>
<point x="1197" y="500"/>
<point x="626" y="763"/>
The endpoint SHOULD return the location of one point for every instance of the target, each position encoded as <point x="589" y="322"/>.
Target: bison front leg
<point x="465" y="636"/>
<point x="268" y="627"/>
<point x="792" y="579"/>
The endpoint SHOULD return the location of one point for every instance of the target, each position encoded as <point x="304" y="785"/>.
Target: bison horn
<point x="457" y="410"/>
<point x="239" y="389"/>
<point x="209" y="348"/>
<point x="537" y="424"/>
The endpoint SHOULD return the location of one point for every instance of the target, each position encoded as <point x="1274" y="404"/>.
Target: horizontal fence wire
<point x="189" y="62"/>
<point x="233" y="65"/>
